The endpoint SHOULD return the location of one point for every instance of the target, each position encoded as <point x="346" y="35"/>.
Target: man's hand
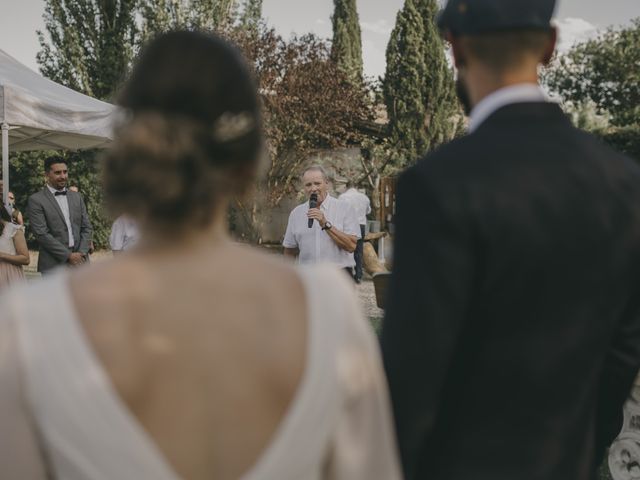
<point x="76" y="258"/>
<point x="317" y="214"/>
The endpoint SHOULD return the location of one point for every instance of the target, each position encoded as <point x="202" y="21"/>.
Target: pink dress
<point x="9" y="273"/>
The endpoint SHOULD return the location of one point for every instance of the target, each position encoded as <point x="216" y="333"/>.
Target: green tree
<point x="418" y="87"/>
<point x="164" y="15"/>
<point x="26" y="172"/>
<point x="251" y="15"/>
<point x="444" y="118"/>
<point x="346" y="48"/>
<point x="403" y="84"/>
<point x="90" y="44"/>
<point x="605" y="71"/>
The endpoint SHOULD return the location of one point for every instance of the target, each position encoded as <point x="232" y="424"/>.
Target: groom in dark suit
<point x="512" y="332"/>
<point x="59" y="220"/>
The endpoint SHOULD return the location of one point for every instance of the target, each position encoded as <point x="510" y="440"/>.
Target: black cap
<point x="469" y="17"/>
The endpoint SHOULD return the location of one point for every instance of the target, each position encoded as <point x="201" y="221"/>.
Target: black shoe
<point x="358" y="280"/>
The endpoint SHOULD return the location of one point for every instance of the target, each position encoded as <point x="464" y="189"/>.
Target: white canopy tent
<point x="39" y="114"/>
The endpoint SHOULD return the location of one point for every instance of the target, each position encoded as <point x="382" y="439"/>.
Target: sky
<point x="577" y="20"/>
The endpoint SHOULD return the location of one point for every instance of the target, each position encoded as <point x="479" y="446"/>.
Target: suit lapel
<point x="54" y="204"/>
<point x="74" y="208"/>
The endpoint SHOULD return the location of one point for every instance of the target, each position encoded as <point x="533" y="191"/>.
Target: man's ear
<point x="457" y="50"/>
<point x="551" y="46"/>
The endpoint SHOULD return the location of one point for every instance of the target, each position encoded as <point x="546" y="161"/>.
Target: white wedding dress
<point x="338" y="425"/>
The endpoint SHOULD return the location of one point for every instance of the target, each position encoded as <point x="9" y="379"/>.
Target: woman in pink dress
<point x="13" y="250"/>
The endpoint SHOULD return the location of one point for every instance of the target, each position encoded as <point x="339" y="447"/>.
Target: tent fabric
<point x="44" y="115"/>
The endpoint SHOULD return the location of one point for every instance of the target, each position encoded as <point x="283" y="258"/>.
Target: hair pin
<point x="231" y="126"/>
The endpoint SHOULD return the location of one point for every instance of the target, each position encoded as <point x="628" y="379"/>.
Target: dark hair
<point x="4" y="215"/>
<point x="504" y="49"/>
<point x="193" y="134"/>
<point x="51" y="160"/>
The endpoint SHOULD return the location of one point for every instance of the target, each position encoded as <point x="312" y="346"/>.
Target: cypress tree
<point x="418" y="87"/>
<point x="403" y="85"/>
<point x="443" y="111"/>
<point x="346" y="48"/>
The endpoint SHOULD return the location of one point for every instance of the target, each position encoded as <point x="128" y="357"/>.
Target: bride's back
<point x="206" y="347"/>
<point x="205" y="341"/>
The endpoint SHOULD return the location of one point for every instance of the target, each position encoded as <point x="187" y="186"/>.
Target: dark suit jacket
<point x="48" y="225"/>
<point x="512" y="333"/>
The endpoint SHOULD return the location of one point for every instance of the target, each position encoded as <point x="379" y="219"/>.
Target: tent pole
<point x="5" y="162"/>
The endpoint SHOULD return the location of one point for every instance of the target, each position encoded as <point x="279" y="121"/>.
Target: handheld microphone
<point x="313" y="203"/>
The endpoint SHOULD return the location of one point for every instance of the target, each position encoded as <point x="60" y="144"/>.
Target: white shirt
<point x="521" y="93"/>
<point x="124" y="234"/>
<point x="315" y="245"/>
<point x="63" y="203"/>
<point x="359" y="202"/>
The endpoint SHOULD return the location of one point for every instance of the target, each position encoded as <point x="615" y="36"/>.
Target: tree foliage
<point x="605" y="71"/>
<point x="624" y="139"/>
<point x="90" y="44"/>
<point x="403" y="83"/>
<point x="346" y="48"/>
<point x="309" y="103"/>
<point x="444" y="119"/>
<point x="164" y="15"/>
<point x="26" y="173"/>
<point x="251" y="15"/>
<point x="418" y="86"/>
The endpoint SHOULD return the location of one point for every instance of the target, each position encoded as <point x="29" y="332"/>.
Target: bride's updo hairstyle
<point x="191" y="132"/>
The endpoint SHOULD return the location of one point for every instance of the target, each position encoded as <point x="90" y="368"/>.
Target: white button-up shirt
<point x="521" y="93"/>
<point x="63" y="203"/>
<point x="314" y="244"/>
<point x="359" y="202"/>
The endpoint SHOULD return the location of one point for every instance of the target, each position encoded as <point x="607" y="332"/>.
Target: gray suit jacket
<point x="48" y="225"/>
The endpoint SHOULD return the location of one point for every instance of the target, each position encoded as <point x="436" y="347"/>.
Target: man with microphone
<point x="322" y="230"/>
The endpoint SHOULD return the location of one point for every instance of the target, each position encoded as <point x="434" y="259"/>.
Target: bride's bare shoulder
<point x="266" y="262"/>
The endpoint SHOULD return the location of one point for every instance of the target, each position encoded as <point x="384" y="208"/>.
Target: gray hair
<point x="316" y="168"/>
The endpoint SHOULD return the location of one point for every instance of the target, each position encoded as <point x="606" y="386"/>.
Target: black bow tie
<point x="63" y="192"/>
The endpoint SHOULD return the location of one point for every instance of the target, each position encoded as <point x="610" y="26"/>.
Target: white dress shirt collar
<point x="326" y="203"/>
<point x="520" y="93"/>
<point x="53" y="190"/>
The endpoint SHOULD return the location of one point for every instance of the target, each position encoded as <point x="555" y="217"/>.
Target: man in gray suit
<point x="59" y="220"/>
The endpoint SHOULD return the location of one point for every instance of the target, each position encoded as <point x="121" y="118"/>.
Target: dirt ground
<point x="367" y="297"/>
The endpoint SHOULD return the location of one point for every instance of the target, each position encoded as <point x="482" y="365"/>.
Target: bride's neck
<point x="187" y="239"/>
